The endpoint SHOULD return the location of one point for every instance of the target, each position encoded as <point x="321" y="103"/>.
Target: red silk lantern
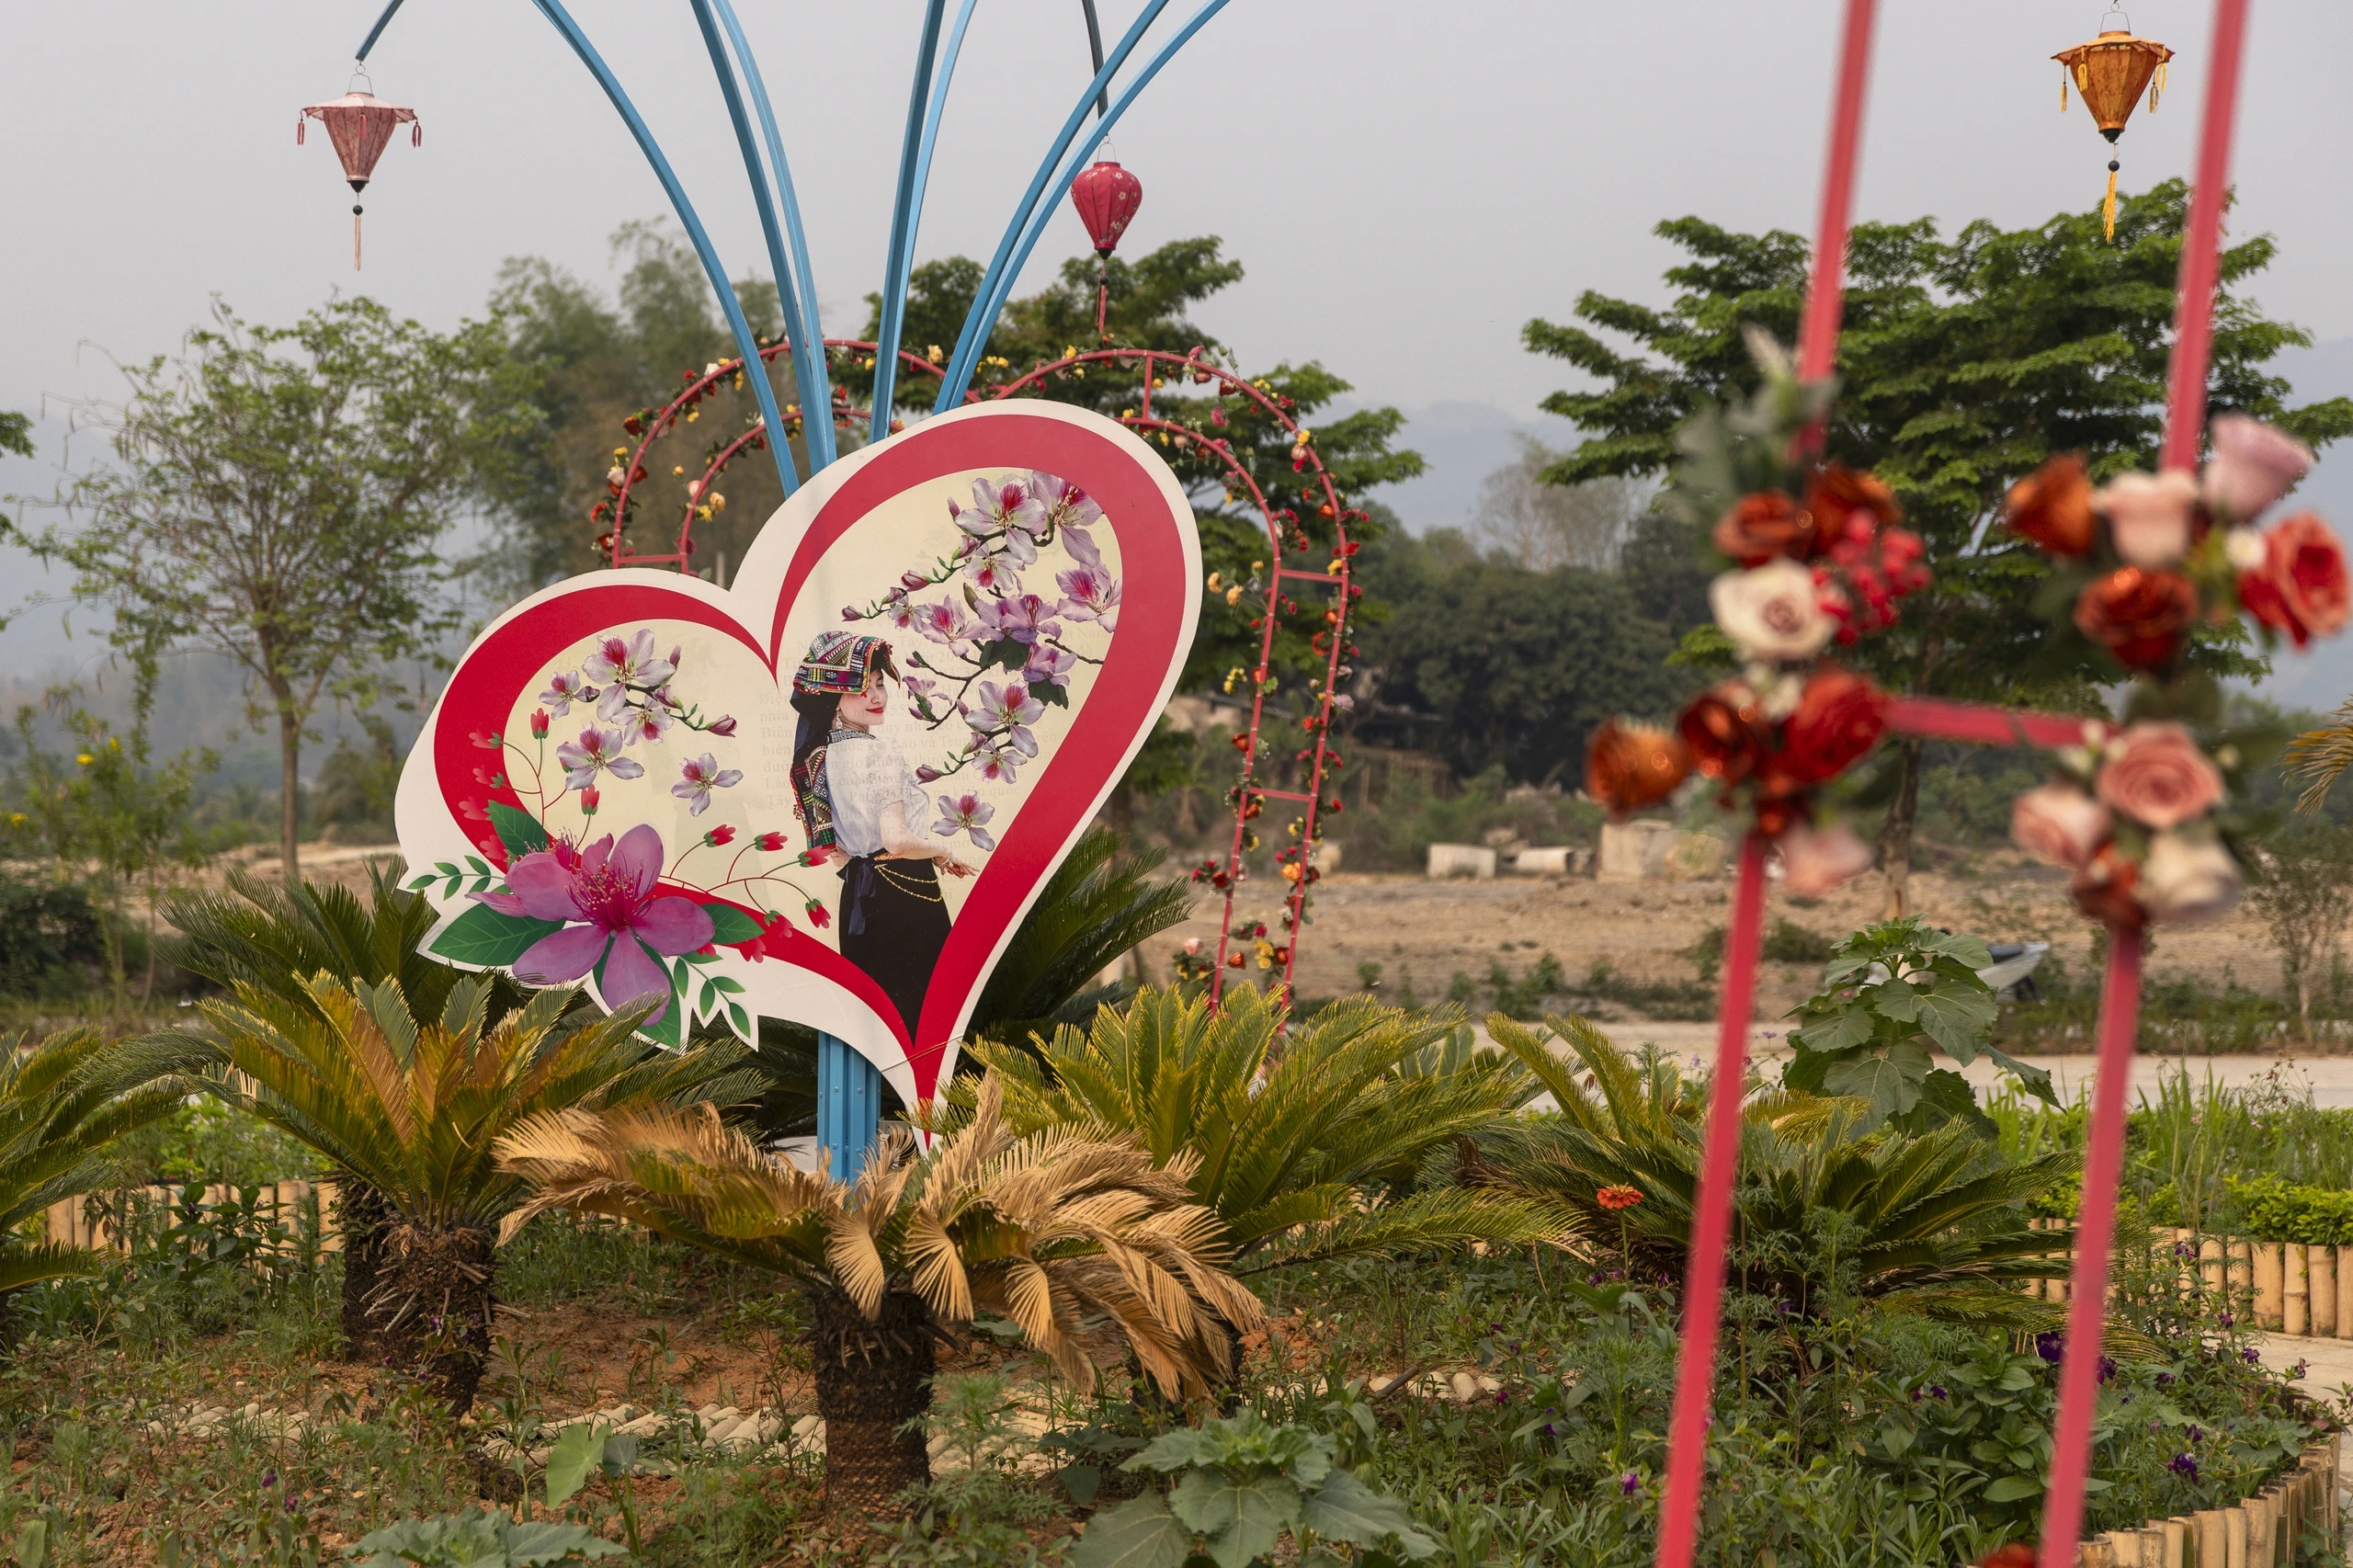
<point x="1107" y="197"/>
<point x="360" y="125"/>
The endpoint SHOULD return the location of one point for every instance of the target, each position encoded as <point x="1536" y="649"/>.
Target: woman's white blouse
<point x="864" y="773"/>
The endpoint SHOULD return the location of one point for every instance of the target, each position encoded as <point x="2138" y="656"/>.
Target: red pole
<point x="2071" y="1437"/>
<point x="2201" y="244"/>
<point x="1703" y="1282"/>
<point x="1818" y="333"/>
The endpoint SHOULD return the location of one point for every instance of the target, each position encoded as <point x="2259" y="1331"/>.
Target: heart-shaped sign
<point x="829" y="792"/>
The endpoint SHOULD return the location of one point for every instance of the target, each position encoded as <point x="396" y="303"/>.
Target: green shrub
<point x="2273" y="1211"/>
<point x="52" y="940"/>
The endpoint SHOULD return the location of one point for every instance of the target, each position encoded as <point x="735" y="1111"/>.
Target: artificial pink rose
<point x="2059" y="825"/>
<point x="2155" y="775"/>
<point x="2301" y="587"/>
<point x="2148" y="516"/>
<point x="2253" y="464"/>
<point x="1814" y="860"/>
<point x="2185" y="879"/>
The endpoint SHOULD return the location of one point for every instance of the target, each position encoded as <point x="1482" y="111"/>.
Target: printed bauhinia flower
<point x="630" y="662"/>
<point x="2060" y="825"/>
<point x="997" y="767"/>
<point x="2156" y="775"/>
<point x="1049" y="663"/>
<point x="566" y="690"/>
<point x="2301" y="586"/>
<point x="966" y="814"/>
<point x="1064" y="505"/>
<point x="2253" y="464"/>
<point x="943" y="623"/>
<point x="605" y="894"/>
<point x="1023" y="617"/>
<point x="2186" y="878"/>
<point x="993" y="573"/>
<point x="1006" y="711"/>
<point x="1009" y="503"/>
<point x="1090" y="592"/>
<point x="596" y="751"/>
<point x="1772" y="612"/>
<point x="2149" y="516"/>
<point x="723" y="725"/>
<point x="700" y="778"/>
<point x="648" y="722"/>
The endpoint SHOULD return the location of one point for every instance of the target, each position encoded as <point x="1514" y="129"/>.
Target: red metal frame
<point x="1154" y="370"/>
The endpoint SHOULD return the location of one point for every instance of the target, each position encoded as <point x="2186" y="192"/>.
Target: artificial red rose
<point x="1628" y="766"/>
<point x="2053" y="507"/>
<point x="1779" y="816"/>
<point x="2300" y="588"/>
<point x="1726" y="730"/>
<point x="2103" y="888"/>
<point x="2138" y="615"/>
<point x="2156" y="775"/>
<point x="1836" y="492"/>
<point x="1764" y="525"/>
<point x="1840" y="716"/>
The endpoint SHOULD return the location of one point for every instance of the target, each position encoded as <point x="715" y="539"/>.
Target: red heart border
<point x="1143" y="506"/>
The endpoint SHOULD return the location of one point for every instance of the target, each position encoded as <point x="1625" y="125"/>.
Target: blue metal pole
<point x="745" y="343"/>
<point x="899" y="257"/>
<point x="974" y="339"/>
<point x="809" y="368"/>
<point x="377" y="31"/>
<point x="850" y="1106"/>
<point x="895" y="319"/>
<point x="992" y="298"/>
<point x="733" y="96"/>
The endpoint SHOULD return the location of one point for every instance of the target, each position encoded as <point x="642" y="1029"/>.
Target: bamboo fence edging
<point x="2266" y="1531"/>
<point x="81" y="1221"/>
<point x="2297" y="1288"/>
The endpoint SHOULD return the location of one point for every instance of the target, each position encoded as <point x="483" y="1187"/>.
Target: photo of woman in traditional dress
<point x="860" y="803"/>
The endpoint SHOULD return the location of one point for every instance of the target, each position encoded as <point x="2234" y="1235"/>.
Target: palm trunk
<point x="1895" y="833"/>
<point x="362" y="1215"/>
<point x="433" y="1301"/>
<point x="873" y="1379"/>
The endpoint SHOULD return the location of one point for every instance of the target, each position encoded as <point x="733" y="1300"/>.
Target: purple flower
<point x="632" y="662"/>
<point x="1005" y="502"/>
<point x="2249" y="1356"/>
<point x="563" y="690"/>
<point x="1004" y="711"/>
<point x="1024" y="618"/>
<point x="605" y="894"/>
<point x="700" y="778"/>
<point x="723" y="725"/>
<point x="1630" y="1483"/>
<point x="942" y="622"/>
<point x="596" y="749"/>
<point x="993" y="572"/>
<point x="2051" y="1347"/>
<point x="995" y="766"/>
<point x="647" y="724"/>
<point x="2196" y="1434"/>
<point x="2184" y="1465"/>
<point x="2108" y="1369"/>
<point x="1048" y="663"/>
<point x="1065" y="505"/>
<point x="966" y="814"/>
<point x="901" y="615"/>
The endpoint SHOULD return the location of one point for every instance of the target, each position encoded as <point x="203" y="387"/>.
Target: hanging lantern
<point x="1107" y="197"/>
<point x="2110" y="72"/>
<point x="360" y="125"/>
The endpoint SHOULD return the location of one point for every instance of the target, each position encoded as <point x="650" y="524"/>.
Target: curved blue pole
<point x="745" y="343"/>
<point x="897" y="259"/>
<point x="377" y="31"/>
<point x="974" y="339"/>
<point x="992" y="298"/>
<point x="809" y="369"/>
<point x="732" y="95"/>
<point x="894" y="317"/>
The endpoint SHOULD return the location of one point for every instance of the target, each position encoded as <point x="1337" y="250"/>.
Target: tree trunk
<point x="362" y="1215"/>
<point x="433" y="1301"/>
<point x="1121" y="809"/>
<point x="289" y="779"/>
<point x="873" y="1378"/>
<point x="1895" y="833"/>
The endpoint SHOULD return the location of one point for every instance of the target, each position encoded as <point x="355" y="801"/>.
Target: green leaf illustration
<point x="517" y="829"/>
<point x="483" y="936"/>
<point x="730" y="925"/>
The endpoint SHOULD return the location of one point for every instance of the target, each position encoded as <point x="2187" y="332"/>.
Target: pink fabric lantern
<point x="360" y="125"/>
<point x="1107" y="197"/>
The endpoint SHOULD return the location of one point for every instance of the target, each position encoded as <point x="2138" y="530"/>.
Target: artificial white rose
<point x="2187" y="878"/>
<point x="2148" y="517"/>
<point x="1772" y="612"/>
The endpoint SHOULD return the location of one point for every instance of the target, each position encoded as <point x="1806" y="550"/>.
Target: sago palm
<point x="1099" y="904"/>
<point x="413" y="1108"/>
<point x="62" y="1104"/>
<point x="1932" y="1223"/>
<point x="1046" y="1231"/>
<point x="1306" y="1140"/>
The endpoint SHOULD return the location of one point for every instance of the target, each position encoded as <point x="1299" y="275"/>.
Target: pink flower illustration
<point x="723" y="725"/>
<point x="993" y="573"/>
<point x="632" y="662"/>
<point x="563" y="690"/>
<point x="605" y="894"/>
<point x="700" y="778"/>
<point x="1007" y="504"/>
<point x="597" y="750"/>
<point x="943" y="623"/>
<point x="1025" y="617"/>
<point x="1048" y="663"/>
<point x="1065" y="504"/>
<point x="995" y="766"/>
<point x="1090" y="592"/>
<point x="966" y="814"/>
<point x="1005" y="711"/>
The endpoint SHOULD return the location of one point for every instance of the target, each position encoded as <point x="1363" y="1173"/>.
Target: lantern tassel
<point x="2108" y="208"/>
<point x="355" y="233"/>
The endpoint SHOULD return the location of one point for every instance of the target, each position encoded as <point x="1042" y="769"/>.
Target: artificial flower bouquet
<point x="1814" y="558"/>
<point x="2148" y="813"/>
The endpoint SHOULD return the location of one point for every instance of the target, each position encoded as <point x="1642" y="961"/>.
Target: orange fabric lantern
<point x="2110" y="72"/>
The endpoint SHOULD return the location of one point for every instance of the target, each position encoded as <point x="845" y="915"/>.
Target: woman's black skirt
<point x="893" y="925"/>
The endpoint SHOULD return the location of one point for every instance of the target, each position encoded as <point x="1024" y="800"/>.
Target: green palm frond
<point x="38" y="1263"/>
<point x="1447" y="1218"/>
<point x="1099" y="904"/>
<point x="62" y="1105"/>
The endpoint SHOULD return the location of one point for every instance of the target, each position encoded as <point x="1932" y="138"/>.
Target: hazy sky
<point x="1406" y="183"/>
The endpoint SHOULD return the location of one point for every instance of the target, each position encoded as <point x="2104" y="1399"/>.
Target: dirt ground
<point x="1645" y="930"/>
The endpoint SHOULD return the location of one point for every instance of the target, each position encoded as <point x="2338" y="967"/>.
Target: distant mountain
<point x="1464" y="443"/>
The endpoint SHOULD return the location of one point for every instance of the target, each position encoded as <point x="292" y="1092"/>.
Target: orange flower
<point x="2053" y="507"/>
<point x="1617" y="1196"/>
<point x="2104" y="890"/>
<point x="1628" y="766"/>
<point x="1837" y="493"/>
<point x="1727" y="731"/>
<point x="1766" y="524"/>
<point x="2139" y="615"/>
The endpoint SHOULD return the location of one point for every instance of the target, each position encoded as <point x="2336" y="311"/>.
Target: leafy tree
<point x="1544" y="526"/>
<point x="356" y="783"/>
<point x="1044" y="1230"/>
<point x="16" y="436"/>
<point x="2305" y="896"/>
<point x="1494" y="664"/>
<point x="278" y="496"/>
<point x="1964" y="364"/>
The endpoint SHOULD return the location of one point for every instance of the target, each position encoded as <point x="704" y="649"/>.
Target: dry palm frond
<point x="2321" y="756"/>
<point x="1047" y="1228"/>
